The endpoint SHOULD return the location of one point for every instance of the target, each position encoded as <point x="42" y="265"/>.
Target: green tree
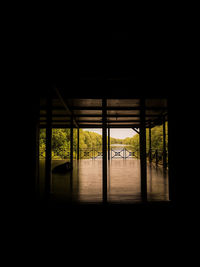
<point x="61" y="141"/>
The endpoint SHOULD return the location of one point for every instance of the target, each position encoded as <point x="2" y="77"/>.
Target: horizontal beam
<point x="116" y="108"/>
<point x="100" y="108"/>
<point x="91" y="126"/>
<point x="96" y="121"/>
<point x="66" y="106"/>
<point x="100" y="116"/>
<point x="110" y="126"/>
<point x="110" y="121"/>
<point x="59" y="125"/>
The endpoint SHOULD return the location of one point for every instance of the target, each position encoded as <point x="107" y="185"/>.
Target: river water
<point x="84" y="184"/>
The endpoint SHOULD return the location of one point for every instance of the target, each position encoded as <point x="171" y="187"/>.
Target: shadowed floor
<point x="84" y="183"/>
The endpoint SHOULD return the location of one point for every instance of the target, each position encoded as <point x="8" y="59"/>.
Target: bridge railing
<point x="123" y="153"/>
<point x="90" y="153"/>
<point x="96" y="153"/>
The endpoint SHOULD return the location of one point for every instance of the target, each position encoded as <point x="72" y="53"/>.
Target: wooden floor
<point x="84" y="184"/>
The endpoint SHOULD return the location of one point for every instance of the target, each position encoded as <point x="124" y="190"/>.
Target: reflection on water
<point x="157" y="183"/>
<point x="90" y="181"/>
<point x="84" y="184"/>
<point x="124" y="180"/>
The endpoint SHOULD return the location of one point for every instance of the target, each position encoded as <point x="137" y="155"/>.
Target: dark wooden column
<point x="104" y="142"/>
<point x="172" y="152"/>
<point x="143" y="165"/>
<point x="36" y="155"/>
<point x="48" y="145"/>
<point x="108" y="142"/>
<point x="150" y="152"/>
<point x="164" y="145"/>
<point x="33" y="166"/>
<point x="78" y="137"/>
<point x="71" y="143"/>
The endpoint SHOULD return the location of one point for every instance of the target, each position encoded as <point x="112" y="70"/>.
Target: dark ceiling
<point x="87" y="112"/>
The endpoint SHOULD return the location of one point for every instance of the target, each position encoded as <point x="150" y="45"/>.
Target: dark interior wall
<point x="63" y="59"/>
<point x="129" y="89"/>
<point x="27" y="154"/>
<point x="117" y="65"/>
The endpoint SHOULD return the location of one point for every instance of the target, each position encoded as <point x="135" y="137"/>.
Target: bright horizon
<point x="115" y="133"/>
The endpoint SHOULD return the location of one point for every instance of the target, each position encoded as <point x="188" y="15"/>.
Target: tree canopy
<point x="89" y="140"/>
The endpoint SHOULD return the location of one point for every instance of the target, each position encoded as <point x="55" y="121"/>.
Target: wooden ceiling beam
<point x="117" y="108"/>
<point x="66" y="106"/>
<point x="100" y="116"/>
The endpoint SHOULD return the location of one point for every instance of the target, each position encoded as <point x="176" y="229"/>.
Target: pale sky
<point x="115" y="133"/>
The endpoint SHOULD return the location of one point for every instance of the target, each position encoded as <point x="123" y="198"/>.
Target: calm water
<point x="85" y="182"/>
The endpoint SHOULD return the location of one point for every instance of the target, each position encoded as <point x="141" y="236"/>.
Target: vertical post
<point x="71" y="143"/>
<point x="104" y="142"/>
<point x="143" y="166"/>
<point x="37" y="133"/>
<point x="34" y="145"/>
<point x="172" y="153"/>
<point x="108" y="143"/>
<point x="48" y="145"/>
<point x="164" y="145"/>
<point x="78" y="143"/>
<point x="150" y="152"/>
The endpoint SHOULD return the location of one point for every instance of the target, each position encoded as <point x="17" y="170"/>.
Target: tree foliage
<point x="156" y="139"/>
<point x="89" y="140"/>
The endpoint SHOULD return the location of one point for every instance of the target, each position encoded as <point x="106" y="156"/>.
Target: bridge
<point x="153" y="156"/>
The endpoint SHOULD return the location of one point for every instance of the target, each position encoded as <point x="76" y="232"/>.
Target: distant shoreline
<point x="119" y="145"/>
